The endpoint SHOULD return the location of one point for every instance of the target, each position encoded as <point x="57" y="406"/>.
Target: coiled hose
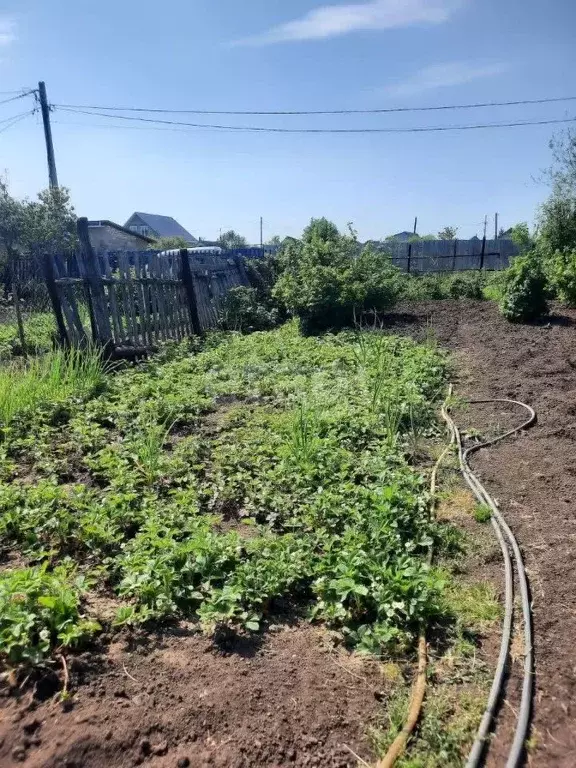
<point x="503" y="533"/>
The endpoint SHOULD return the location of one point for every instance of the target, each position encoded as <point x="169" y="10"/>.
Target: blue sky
<point x="274" y="55"/>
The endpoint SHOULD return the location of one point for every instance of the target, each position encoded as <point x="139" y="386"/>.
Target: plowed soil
<point x="174" y="698"/>
<point x="533" y="477"/>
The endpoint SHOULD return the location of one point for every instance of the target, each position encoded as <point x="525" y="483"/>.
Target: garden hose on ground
<point x="503" y="532"/>
<point x="417" y="698"/>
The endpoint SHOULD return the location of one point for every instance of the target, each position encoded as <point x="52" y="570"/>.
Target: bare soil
<point x="533" y="477"/>
<point x="177" y="699"/>
<point x="174" y="698"/>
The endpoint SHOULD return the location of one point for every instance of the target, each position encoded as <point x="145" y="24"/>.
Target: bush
<point x="242" y="311"/>
<point x="458" y="285"/>
<point x="562" y="275"/>
<point x="524" y="289"/>
<point x="327" y="280"/>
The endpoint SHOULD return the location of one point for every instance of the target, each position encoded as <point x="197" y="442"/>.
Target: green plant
<point x="40" y="609"/>
<point x="482" y="513"/>
<point x="524" y="289"/>
<point x="148" y="443"/>
<point x="242" y="311"/>
<point x="49" y="379"/>
<point x="561" y="268"/>
<point x="328" y="279"/>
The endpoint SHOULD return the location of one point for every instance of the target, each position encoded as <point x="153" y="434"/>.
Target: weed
<point x="482" y="513"/>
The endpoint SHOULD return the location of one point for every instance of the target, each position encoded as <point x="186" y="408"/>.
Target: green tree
<point x="321" y="230"/>
<point x="232" y="239"/>
<point x="33" y="229"/>
<point x="448" y="233"/>
<point x="49" y="223"/>
<point x="557" y="218"/>
<point x="168" y="244"/>
<point x="520" y="235"/>
<point x="12" y="218"/>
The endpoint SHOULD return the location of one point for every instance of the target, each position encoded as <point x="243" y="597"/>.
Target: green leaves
<point x="265" y="468"/>
<point x="40" y="610"/>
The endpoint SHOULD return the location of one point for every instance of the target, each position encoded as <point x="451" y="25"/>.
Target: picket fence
<point x="128" y="302"/>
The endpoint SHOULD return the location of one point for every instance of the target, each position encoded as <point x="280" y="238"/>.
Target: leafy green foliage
<point x="456" y="285"/>
<point x="40" y="609"/>
<point x="448" y="233"/>
<point x="169" y="243"/>
<point x="39" y="331"/>
<point x="242" y="311"/>
<point x="232" y="239"/>
<point x="482" y="513"/>
<point x="327" y="279"/>
<point x="561" y="268"/>
<point x="50" y="378"/>
<point x="264" y="468"/>
<point x="525" y="289"/>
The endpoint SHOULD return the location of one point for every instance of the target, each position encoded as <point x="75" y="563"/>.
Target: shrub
<point x="241" y="310"/>
<point x="458" y="285"/>
<point x="327" y="280"/>
<point x="562" y="275"/>
<point x="524" y="289"/>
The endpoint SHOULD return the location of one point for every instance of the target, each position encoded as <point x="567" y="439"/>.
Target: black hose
<point x="503" y="532"/>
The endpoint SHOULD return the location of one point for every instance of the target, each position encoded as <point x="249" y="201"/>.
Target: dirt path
<point x="534" y="479"/>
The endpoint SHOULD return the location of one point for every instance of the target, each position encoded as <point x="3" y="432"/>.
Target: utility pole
<point x="52" y="177"/>
<point x="261" y="233"/>
<point x="415" y="223"/>
<point x="485" y="225"/>
<point x="495" y="226"/>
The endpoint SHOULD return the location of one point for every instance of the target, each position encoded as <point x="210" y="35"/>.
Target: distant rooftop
<point x="162" y="226"/>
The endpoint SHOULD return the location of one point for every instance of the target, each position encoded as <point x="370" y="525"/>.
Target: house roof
<point x="120" y="228"/>
<point x="164" y="226"/>
<point x="403" y="234"/>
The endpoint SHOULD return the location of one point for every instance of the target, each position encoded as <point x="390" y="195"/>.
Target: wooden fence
<point x="423" y="256"/>
<point x="131" y="301"/>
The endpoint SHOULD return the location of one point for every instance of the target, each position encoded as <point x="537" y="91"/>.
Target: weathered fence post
<point x="483" y="252"/>
<point x="49" y="276"/>
<point x="189" y="286"/>
<point x="409" y="257"/>
<point x="454" y="255"/>
<point x="98" y="306"/>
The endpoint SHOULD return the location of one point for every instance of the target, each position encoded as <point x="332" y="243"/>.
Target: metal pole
<point x="52" y="177"/>
<point x="495" y="226"/>
<point x="261" y="234"/>
<point x="415" y="223"/>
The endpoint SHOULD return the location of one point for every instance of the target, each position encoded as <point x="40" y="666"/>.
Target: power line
<point x="19" y="115"/>
<point x="327" y="111"/>
<point x="15" y="98"/>
<point x="15" y="119"/>
<point x="260" y="129"/>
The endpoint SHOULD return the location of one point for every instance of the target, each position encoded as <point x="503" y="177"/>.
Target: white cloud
<point x="443" y="76"/>
<point x="7" y="31"/>
<point x="333" y="20"/>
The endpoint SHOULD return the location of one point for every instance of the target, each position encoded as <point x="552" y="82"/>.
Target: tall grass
<point x="50" y="378"/>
